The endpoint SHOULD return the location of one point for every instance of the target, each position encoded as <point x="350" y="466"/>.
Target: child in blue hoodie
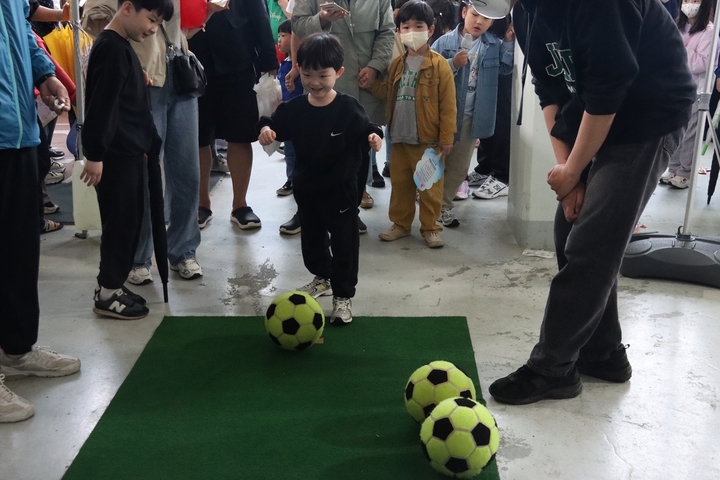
<point x="476" y="58"/>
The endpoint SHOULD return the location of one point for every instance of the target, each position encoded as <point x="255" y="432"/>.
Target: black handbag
<point x="188" y="73"/>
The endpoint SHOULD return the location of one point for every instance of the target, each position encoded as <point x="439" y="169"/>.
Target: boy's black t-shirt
<point x="118" y="120"/>
<point x="329" y="141"/>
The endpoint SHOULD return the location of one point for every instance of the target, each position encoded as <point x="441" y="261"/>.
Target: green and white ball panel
<point x="294" y="321"/>
<point x="433" y="383"/>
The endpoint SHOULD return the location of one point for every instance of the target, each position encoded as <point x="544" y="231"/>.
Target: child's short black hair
<point x="285" y="27"/>
<point x="415" y="10"/>
<point x="320" y="51"/>
<point x="164" y="8"/>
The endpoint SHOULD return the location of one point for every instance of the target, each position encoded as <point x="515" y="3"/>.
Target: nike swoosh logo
<point x="343" y="211"/>
<point x="335" y="134"/>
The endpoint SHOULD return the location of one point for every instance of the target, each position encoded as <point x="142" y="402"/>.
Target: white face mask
<point x="690" y="9"/>
<point x="414" y="40"/>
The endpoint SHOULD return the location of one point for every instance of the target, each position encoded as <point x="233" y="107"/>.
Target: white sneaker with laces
<point x="38" y="362"/>
<point x="433" y="240"/>
<point x="219" y="164"/>
<point x="447" y="218"/>
<point x="679" y="182"/>
<point x="476" y="179"/>
<point x="492" y="188"/>
<point x="318" y="287"/>
<point x="666" y="177"/>
<point x="341" y="314"/>
<point x="140" y="276"/>
<point x="13" y="408"/>
<point x="189" y="269"/>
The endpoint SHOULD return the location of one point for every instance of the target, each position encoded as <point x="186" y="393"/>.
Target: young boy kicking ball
<point x="329" y="131"/>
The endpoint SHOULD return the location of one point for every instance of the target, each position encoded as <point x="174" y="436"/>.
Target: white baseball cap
<point x="490" y="8"/>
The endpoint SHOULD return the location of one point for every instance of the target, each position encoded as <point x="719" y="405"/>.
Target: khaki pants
<point x="458" y="163"/>
<point x="403" y="159"/>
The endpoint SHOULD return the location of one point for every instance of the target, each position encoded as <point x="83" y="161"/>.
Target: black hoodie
<point x="623" y="57"/>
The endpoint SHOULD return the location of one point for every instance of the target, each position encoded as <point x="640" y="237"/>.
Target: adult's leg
<point x="20" y="212"/>
<point x="681" y="160"/>
<point x="205" y="161"/>
<point x="457" y="163"/>
<point x="44" y="161"/>
<point x="581" y="304"/>
<point x="240" y="160"/>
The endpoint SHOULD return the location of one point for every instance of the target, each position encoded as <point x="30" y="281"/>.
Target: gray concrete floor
<point x="664" y="423"/>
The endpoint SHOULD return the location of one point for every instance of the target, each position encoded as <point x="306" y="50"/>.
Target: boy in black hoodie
<point x="616" y="92"/>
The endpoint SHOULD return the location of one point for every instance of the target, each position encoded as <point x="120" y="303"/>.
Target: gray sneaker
<point x="317" y="288"/>
<point x="476" y="179"/>
<point x="341" y="314"/>
<point x="38" y="362"/>
<point x="447" y="218"/>
<point x="13" y="408"/>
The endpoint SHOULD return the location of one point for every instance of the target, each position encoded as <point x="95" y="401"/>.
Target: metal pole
<point x="79" y="84"/>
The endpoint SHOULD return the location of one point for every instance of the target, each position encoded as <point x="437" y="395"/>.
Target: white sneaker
<point x="448" y="219"/>
<point x="53" y="177"/>
<point x="433" y="240"/>
<point x="189" y="269"/>
<point x="341" y="314"/>
<point x="666" y="177"/>
<point x="492" y="188"/>
<point x="56" y="166"/>
<point x="219" y="164"/>
<point x="13" y="408"/>
<point x="463" y="191"/>
<point x="318" y="287"/>
<point x="476" y="179"/>
<point x="140" y="276"/>
<point x="38" y="362"/>
<point x="679" y="182"/>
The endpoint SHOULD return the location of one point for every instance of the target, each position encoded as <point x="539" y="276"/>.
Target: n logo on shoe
<point x="117" y="306"/>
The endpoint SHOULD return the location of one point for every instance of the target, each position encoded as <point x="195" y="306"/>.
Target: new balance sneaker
<point x="285" y="190"/>
<point x="341" y="313"/>
<point x="393" y="233"/>
<point x="367" y="201"/>
<point x="615" y="369"/>
<point x="463" y="191"/>
<point x="188" y="268"/>
<point x="434" y="240"/>
<point x="38" y="362"/>
<point x="140" y="276"/>
<point x="56" y="154"/>
<point x="292" y="226"/>
<point x="56" y="166"/>
<point x="204" y="216"/>
<point x="491" y="188"/>
<point x="13" y="408"/>
<point x="666" y="177"/>
<point x="133" y="296"/>
<point x="53" y="177"/>
<point x="679" y="182"/>
<point x="476" y="179"/>
<point x="120" y="306"/>
<point x="447" y="218"/>
<point x="318" y="287"/>
<point x="362" y="228"/>
<point x="244" y="218"/>
<point x="219" y="164"/>
<point x="524" y="386"/>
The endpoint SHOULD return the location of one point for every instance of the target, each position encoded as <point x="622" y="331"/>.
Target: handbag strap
<point x="171" y="46"/>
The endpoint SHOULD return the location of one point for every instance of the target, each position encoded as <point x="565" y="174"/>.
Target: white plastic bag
<point x="85" y="205"/>
<point x="269" y="96"/>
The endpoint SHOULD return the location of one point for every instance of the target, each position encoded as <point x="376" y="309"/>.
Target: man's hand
<point x="445" y="149"/>
<point x="375" y="141"/>
<point x="267" y="136"/>
<point x="92" y="173"/>
<point x="573" y="202"/>
<point x="65" y="15"/>
<point x="562" y="179"/>
<point x="329" y="16"/>
<point x="367" y="77"/>
<point x="290" y="79"/>
<point x="460" y="59"/>
<point x="52" y="89"/>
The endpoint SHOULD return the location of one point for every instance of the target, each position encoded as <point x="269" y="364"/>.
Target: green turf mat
<point x="214" y="398"/>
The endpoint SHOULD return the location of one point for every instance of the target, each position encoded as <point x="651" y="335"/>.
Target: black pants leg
<point x="20" y="240"/>
<point x="120" y="198"/>
<point x="44" y="161"/>
<point x="494" y="153"/>
<point x="581" y="315"/>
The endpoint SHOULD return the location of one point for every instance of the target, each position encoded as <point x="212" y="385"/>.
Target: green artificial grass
<point x="214" y="398"/>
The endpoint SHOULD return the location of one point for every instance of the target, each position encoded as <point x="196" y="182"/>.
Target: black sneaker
<point x="386" y="171"/>
<point x="291" y="227"/>
<point x="133" y="296"/>
<point x="204" y="216"/>
<point x="285" y="190"/>
<point x="56" y="154"/>
<point x="615" y="369"/>
<point x="524" y="386"/>
<point x="377" y="180"/>
<point x="244" y="218"/>
<point x="121" y="306"/>
<point x="362" y="228"/>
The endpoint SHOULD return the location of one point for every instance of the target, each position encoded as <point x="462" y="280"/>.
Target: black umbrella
<point x="157" y="213"/>
<point x="714" y="170"/>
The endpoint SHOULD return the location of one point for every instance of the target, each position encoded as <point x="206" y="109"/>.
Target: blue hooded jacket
<point x="21" y="63"/>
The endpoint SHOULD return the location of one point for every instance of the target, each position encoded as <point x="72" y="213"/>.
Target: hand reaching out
<point x="375" y="141"/>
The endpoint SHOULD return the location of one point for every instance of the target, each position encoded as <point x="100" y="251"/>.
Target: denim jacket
<point x="495" y="57"/>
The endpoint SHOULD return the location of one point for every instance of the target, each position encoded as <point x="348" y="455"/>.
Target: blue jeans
<point x="289" y="160"/>
<point x="176" y="120"/>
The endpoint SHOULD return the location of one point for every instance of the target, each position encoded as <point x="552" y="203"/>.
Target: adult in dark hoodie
<point x="616" y="92"/>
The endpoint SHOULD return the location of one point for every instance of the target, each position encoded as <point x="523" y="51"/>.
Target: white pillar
<point x="531" y="203"/>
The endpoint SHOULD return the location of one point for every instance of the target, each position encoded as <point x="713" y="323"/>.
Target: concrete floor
<point x="664" y="423"/>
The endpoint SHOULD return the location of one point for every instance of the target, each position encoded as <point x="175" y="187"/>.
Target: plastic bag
<point x="86" y="212"/>
<point x="269" y="96"/>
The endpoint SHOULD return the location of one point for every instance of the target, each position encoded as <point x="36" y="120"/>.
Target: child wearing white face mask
<point x="421" y="113"/>
<point x="697" y="31"/>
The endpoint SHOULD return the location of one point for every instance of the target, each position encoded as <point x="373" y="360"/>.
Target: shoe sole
<point x="285" y="231"/>
<point x="283" y="193"/>
<point x="191" y="277"/>
<point x="561" y="393"/>
<point x="340" y="322"/>
<point x="378" y="184"/>
<point x="367" y="206"/>
<point x="50" y="211"/>
<point x="54" y="181"/>
<point x="320" y="294"/>
<point x="141" y="283"/>
<point x="13" y="374"/>
<point x="107" y="313"/>
<point x="247" y="226"/>
<point x="614" y="376"/>
<point x="454" y="224"/>
<point x="388" y="238"/>
<point x="205" y="223"/>
<point x="18" y="417"/>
